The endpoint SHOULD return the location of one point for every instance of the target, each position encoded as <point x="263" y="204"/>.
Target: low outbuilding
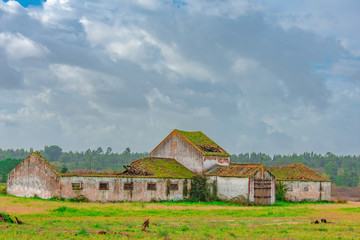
<point x="146" y="179"/>
<point x="243" y="182"/>
<point x="302" y="183"/>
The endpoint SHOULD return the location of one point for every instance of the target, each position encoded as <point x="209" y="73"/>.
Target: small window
<point x="151" y="186"/>
<point x="104" y="186"/>
<point x="306" y="189"/>
<point x="128" y="186"/>
<point x="76" y="186"/>
<point x="321" y="189"/>
<point x="174" y="187"/>
<point x="289" y="188"/>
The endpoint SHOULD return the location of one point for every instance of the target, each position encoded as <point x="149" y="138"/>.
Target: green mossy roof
<point x="296" y="172"/>
<point x="202" y="142"/>
<point x="162" y="167"/>
<point x="235" y="170"/>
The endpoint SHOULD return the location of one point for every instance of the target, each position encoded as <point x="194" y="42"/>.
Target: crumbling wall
<point x="33" y="177"/>
<point x="174" y="146"/>
<point x="311" y="191"/>
<point x="116" y="188"/>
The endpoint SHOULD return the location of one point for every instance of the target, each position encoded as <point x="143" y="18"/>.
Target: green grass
<point x="46" y="219"/>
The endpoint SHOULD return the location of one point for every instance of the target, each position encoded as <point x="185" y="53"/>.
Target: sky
<point x="277" y="77"/>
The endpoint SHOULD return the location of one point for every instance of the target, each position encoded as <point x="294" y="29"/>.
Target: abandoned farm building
<point x="302" y="183"/>
<point x="167" y="175"/>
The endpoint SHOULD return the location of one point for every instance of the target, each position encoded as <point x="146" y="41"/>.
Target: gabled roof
<point x="161" y="168"/>
<point x="234" y="170"/>
<point x="296" y="172"/>
<point x="39" y="157"/>
<point x="201" y="142"/>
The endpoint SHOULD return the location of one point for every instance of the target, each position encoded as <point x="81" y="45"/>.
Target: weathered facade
<point x="244" y="182"/>
<point x="34" y="176"/>
<point x="302" y="183"/>
<point x="165" y="179"/>
<point x="167" y="174"/>
<point x="194" y="150"/>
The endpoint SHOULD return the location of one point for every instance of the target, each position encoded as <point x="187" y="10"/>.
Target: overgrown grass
<point x="45" y="219"/>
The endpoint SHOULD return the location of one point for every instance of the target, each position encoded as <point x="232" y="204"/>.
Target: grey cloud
<point x="235" y="74"/>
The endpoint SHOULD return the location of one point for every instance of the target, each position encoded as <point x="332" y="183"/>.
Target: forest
<point x="341" y="170"/>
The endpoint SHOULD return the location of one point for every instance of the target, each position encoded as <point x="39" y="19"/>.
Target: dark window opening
<point x="128" y="186"/>
<point x="104" y="186"/>
<point x="151" y="186"/>
<point x="210" y="148"/>
<point x="174" y="187"/>
<point x="76" y="186"/>
<point x="321" y="188"/>
<point x="306" y="189"/>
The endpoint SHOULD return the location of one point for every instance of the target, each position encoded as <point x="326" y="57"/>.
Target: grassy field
<point x="46" y="219"/>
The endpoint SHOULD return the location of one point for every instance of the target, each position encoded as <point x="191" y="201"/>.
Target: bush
<point x="79" y="198"/>
<point x="200" y="190"/>
<point x="3" y="190"/>
<point x="281" y="191"/>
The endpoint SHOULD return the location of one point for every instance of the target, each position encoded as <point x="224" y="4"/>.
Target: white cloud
<point x="11" y="6"/>
<point x="18" y="46"/>
<point x="230" y="8"/>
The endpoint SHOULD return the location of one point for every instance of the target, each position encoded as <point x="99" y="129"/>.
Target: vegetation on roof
<point x="235" y="170"/>
<point x="162" y="167"/>
<point x="207" y="146"/>
<point x="296" y="172"/>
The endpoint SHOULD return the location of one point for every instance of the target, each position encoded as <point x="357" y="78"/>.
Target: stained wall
<point x="33" y="177"/>
<point x="174" y="146"/>
<point x="312" y="191"/>
<point x="116" y="188"/>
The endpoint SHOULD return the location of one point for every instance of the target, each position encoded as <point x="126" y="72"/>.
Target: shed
<point x="251" y="182"/>
<point x="302" y="182"/>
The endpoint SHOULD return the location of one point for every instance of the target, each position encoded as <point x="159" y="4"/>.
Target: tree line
<point x="342" y="170"/>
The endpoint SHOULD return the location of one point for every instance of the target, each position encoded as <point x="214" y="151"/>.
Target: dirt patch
<point x="22" y="210"/>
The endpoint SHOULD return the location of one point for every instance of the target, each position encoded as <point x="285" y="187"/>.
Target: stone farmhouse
<point x="167" y="175"/>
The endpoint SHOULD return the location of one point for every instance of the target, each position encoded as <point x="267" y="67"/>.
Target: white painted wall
<point x="232" y="187"/>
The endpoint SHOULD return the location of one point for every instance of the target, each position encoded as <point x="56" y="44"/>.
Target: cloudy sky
<point x="264" y="76"/>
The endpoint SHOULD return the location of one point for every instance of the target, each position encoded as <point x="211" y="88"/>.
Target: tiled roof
<point x="296" y="172"/>
<point x="203" y="143"/>
<point x="234" y="170"/>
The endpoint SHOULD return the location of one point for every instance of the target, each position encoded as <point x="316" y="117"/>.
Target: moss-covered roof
<point x="203" y="143"/>
<point x="162" y="167"/>
<point x="296" y="172"/>
<point x="234" y="170"/>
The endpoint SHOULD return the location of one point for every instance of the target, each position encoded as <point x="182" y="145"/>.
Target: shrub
<point x="281" y="190"/>
<point x="58" y="198"/>
<point x="3" y="191"/>
<point x="200" y="190"/>
<point x="79" y="198"/>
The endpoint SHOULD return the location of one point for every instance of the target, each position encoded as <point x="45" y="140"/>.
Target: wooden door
<point x="262" y="191"/>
